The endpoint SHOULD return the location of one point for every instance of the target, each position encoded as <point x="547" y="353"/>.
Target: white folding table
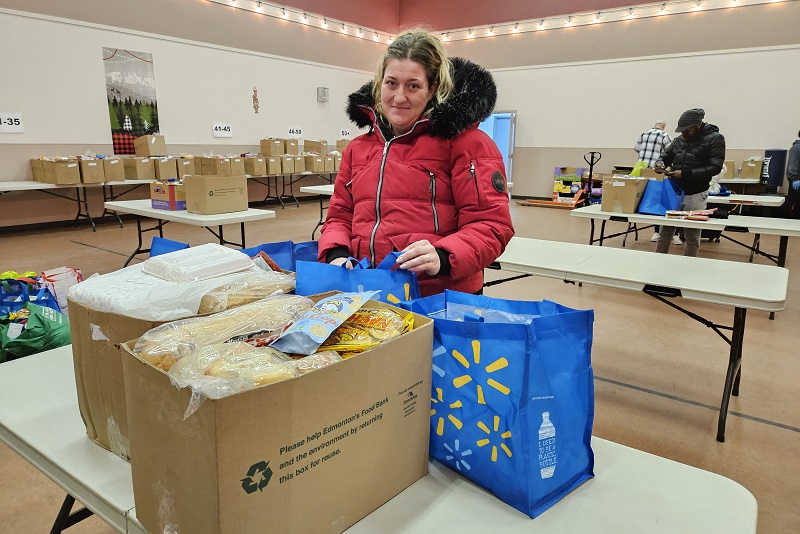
<point x="633" y="491"/>
<point x="784" y="228"/>
<point x="292" y="178"/>
<point x="53" y="190"/>
<point x="742" y="286"/>
<point x="324" y="191"/>
<point x="143" y="208"/>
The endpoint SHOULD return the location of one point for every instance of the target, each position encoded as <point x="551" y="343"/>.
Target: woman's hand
<point x="342" y="261"/>
<point x="420" y="257"/>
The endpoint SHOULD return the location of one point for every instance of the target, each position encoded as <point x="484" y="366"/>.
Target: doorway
<point x="500" y="127"/>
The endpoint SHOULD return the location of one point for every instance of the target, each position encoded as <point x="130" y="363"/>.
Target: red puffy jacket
<point x="443" y="181"/>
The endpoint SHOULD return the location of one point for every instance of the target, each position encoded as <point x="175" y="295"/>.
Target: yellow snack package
<point x="367" y="328"/>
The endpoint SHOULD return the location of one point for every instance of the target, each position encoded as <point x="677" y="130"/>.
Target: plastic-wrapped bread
<point x="318" y="360"/>
<point x="259" y="323"/>
<point x="258" y="285"/>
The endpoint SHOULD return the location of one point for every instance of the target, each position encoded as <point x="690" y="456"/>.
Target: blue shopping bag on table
<point x="512" y="402"/>
<point x="286" y="253"/>
<point x="15" y="293"/>
<point x="395" y="285"/>
<point x="661" y="196"/>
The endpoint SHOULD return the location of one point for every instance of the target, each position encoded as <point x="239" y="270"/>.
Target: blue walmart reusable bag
<point x="286" y="253"/>
<point x="661" y="196"/>
<point x="395" y="285"/>
<point x="512" y="404"/>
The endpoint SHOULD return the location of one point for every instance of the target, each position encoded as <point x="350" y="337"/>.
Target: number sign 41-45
<point x="222" y="129"/>
<point x="11" y="122"/>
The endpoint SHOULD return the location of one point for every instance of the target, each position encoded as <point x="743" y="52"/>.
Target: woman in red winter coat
<point x="424" y="179"/>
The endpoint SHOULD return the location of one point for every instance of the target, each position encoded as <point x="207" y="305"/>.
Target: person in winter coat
<point x="793" y="176"/>
<point x="424" y="180"/>
<point x="690" y="161"/>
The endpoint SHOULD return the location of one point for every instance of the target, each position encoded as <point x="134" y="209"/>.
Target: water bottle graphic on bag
<point x="547" y="447"/>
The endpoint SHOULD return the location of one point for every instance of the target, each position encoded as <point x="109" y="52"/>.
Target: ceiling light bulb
<point x="344" y="29"/>
<point x="630" y="13"/>
<point x="375" y="38"/>
<point x="491" y="31"/>
<point x="516" y="27"/>
<point x="569" y="21"/>
<point x="324" y="23"/>
<point x="470" y="34"/>
<point x="360" y="33"/>
<point x="284" y="14"/>
<point x="697" y="7"/>
<point x="305" y="18"/>
<point x="541" y="24"/>
<point x="596" y="19"/>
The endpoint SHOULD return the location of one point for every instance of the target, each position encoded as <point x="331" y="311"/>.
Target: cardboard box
<point x="272" y="147"/>
<point x="197" y="162"/>
<point x="341" y="144"/>
<point x="237" y="166"/>
<point x="312" y="454"/>
<point x="255" y="166"/>
<point x="751" y="169"/>
<point x="186" y="167"/>
<point x="114" y="170"/>
<point x="37" y="170"/>
<point x="139" y="169"/>
<point x="92" y="171"/>
<point x="320" y="147"/>
<point x="273" y="165"/>
<point x="165" y="196"/>
<point x="216" y="167"/>
<point x="61" y="172"/>
<point x="209" y="195"/>
<point x="299" y="164"/>
<point x="96" y="337"/>
<point x="329" y="164"/>
<point x="314" y="163"/>
<point x="165" y="168"/>
<point x="622" y="195"/>
<point x="650" y="173"/>
<point x="337" y="161"/>
<point x="290" y="147"/>
<point x="287" y="164"/>
<point x="150" y="145"/>
<point x="569" y="173"/>
<point x="730" y="169"/>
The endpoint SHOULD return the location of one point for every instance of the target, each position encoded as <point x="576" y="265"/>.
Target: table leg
<point x="242" y="228"/>
<point x="221" y="237"/>
<point x="602" y="231"/>
<point x="65" y="519"/>
<point x="591" y="232"/>
<point x="321" y="220"/>
<point x="291" y="189"/>
<point x="139" y="246"/>
<point x="733" y="376"/>
<point x="106" y="198"/>
<point x="83" y="207"/>
<point x="756" y="246"/>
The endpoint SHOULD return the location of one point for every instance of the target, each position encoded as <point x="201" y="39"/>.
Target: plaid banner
<point x="123" y="143"/>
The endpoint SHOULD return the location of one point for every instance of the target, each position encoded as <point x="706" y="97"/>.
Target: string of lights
<point x="603" y="16"/>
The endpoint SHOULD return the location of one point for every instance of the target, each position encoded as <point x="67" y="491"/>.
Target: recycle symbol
<point x="249" y="485"/>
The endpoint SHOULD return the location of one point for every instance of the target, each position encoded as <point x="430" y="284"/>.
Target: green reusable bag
<point x="637" y="169"/>
<point x="46" y="329"/>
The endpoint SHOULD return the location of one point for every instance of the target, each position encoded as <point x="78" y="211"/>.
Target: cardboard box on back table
<point x="255" y="166"/>
<point x="165" y="168"/>
<point x="114" y="170"/>
<point x="61" y="172"/>
<point x="312" y="454"/>
<point x="92" y="171"/>
<point x="622" y="195"/>
<point x="150" y="145"/>
<point x="139" y="169"/>
<point x="210" y="195"/>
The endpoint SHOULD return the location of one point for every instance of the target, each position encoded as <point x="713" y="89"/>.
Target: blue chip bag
<point x="316" y="325"/>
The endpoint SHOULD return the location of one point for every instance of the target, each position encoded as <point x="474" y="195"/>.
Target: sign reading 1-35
<point x="11" y="122"/>
<point x="222" y="129"/>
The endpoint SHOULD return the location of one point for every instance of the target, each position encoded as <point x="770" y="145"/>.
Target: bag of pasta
<point x="367" y="328"/>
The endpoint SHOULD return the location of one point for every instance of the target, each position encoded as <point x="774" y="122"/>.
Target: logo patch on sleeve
<point x="498" y="182"/>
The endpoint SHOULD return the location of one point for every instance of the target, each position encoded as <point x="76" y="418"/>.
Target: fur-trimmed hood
<point x="473" y="99"/>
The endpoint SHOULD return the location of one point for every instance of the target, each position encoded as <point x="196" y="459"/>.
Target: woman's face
<point x="404" y="93"/>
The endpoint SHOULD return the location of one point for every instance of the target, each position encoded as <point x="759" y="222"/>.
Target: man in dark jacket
<point x="793" y="175"/>
<point x="690" y="161"/>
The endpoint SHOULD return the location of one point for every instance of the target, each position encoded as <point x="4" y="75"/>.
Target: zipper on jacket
<point x="433" y="203"/>
<point x="378" y="206"/>
<point x="475" y="179"/>
<point x="386" y="144"/>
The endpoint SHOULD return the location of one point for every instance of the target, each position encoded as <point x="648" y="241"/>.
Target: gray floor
<point x="659" y="375"/>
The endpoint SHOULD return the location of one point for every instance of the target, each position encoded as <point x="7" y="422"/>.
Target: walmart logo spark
<point x="457" y="455"/>
<point x="500" y="363"/>
<point x="494" y="434"/>
<point x="439" y="402"/>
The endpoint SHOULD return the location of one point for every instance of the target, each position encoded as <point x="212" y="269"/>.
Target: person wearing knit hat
<point x="690" y="161"/>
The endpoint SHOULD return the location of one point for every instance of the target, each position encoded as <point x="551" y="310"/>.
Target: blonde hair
<point x="424" y="48"/>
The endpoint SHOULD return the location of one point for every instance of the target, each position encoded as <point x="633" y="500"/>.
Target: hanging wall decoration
<point x="255" y="99"/>
<point x="131" y="95"/>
